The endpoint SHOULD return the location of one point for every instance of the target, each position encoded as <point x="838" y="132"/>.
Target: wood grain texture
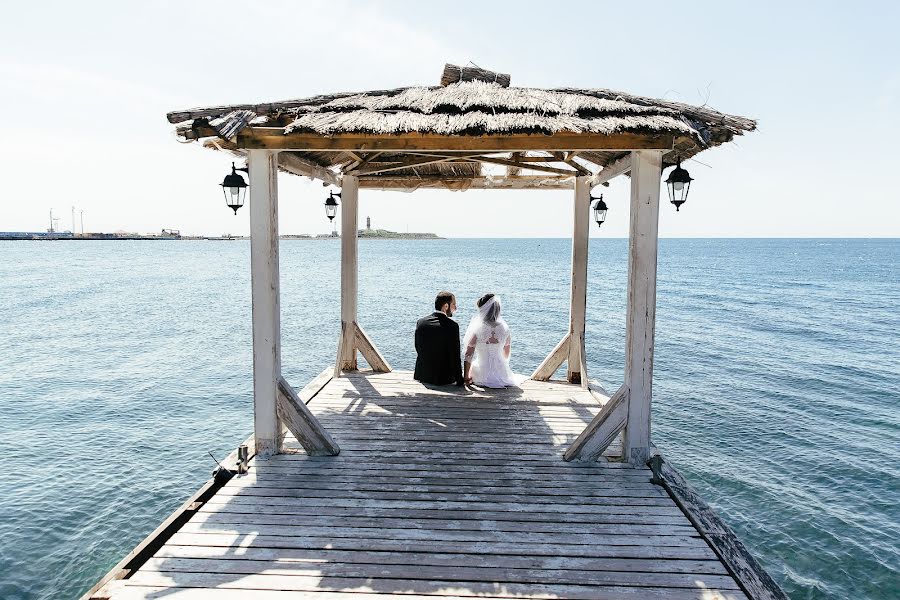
<point x="370" y="352"/>
<point x="349" y="270"/>
<point x="304" y="426"/>
<point x="265" y="290"/>
<point x="640" y="317"/>
<point x="602" y="430"/>
<point x="578" y="286"/>
<point x="438" y="493"/>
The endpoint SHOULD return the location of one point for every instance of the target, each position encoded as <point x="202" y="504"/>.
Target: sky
<point x="85" y="86"/>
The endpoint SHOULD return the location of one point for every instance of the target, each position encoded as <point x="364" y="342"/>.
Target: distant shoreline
<point x="53" y="237"/>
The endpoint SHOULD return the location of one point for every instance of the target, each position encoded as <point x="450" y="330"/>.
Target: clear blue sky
<point x="84" y="88"/>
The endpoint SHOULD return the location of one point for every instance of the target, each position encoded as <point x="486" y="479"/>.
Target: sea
<point x="125" y="367"/>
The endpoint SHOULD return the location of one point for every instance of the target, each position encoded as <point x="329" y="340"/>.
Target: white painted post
<point x="646" y="168"/>
<point x="578" y="295"/>
<point x="264" y="279"/>
<point x="349" y="270"/>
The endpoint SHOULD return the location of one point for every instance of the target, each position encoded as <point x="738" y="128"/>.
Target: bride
<point x="487" y="344"/>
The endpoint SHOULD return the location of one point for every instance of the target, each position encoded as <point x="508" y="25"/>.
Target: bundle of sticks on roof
<point x="453" y="74"/>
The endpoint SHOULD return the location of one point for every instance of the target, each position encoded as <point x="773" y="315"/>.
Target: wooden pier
<point x="551" y="490"/>
<point x="437" y="492"/>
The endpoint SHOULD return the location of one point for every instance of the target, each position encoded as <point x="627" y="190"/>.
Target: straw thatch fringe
<point x="472" y="108"/>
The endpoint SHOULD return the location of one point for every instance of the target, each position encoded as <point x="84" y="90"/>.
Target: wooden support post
<point x="640" y="320"/>
<point x="578" y="297"/>
<point x="349" y="271"/>
<point x="263" y="173"/>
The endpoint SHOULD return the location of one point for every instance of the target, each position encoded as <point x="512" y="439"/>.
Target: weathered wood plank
<point x="426" y="574"/>
<point x="405" y="586"/>
<point x="747" y="571"/>
<point x="274" y="138"/>
<point x="602" y="430"/>
<point x="354" y="490"/>
<point x="609" y="515"/>
<point x="135" y="591"/>
<point x="231" y="518"/>
<point x="487" y="499"/>
<point x="304" y="426"/>
<point x="647" y="506"/>
<point x="711" y="567"/>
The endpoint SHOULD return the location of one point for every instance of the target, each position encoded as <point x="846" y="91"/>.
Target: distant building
<point x="368" y="223"/>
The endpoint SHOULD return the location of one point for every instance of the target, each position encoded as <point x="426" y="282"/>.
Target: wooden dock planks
<point x="437" y="495"/>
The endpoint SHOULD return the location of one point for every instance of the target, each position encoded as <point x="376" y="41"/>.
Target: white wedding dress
<point x="487" y="347"/>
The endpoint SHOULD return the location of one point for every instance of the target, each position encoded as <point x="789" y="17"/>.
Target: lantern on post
<point x="331" y="205"/>
<point x="678" y="182"/>
<point x="235" y="188"/>
<point x="599" y="210"/>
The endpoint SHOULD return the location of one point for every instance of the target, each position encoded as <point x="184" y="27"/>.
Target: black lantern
<point x="679" y="182"/>
<point x="331" y="205"/>
<point x="235" y="188"/>
<point x="599" y="210"/>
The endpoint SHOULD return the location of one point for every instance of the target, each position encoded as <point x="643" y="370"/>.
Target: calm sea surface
<point x="776" y="390"/>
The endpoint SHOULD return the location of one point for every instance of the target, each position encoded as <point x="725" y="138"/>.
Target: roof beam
<point x="409" y="184"/>
<point x="418" y="162"/>
<point x="619" y="167"/>
<point x="300" y="166"/>
<point x="274" y="138"/>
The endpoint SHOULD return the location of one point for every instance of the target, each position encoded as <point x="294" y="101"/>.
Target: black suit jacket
<point x="438" y="352"/>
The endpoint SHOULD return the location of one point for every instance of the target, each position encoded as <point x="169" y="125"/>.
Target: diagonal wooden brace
<point x="553" y="361"/>
<point x="370" y="351"/>
<point x="602" y="430"/>
<point x="354" y="338"/>
<point x="302" y="423"/>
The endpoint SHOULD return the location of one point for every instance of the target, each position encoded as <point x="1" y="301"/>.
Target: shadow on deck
<point x="437" y="492"/>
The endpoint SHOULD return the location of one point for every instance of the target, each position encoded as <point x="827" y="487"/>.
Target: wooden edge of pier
<point x="155" y="540"/>
<point x="743" y="566"/>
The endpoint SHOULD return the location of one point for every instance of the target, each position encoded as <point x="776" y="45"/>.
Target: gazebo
<point x="367" y="484"/>
<point x="444" y="137"/>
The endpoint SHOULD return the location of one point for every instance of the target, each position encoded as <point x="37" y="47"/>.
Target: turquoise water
<point x="776" y="390"/>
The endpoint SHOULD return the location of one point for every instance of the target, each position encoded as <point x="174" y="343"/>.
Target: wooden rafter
<point x="466" y="183"/>
<point x="570" y="160"/>
<point x="416" y="162"/>
<point x="619" y="167"/>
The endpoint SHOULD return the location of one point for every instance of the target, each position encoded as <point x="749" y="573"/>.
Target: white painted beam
<point x="349" y="270"/>
<point x="578" y="292"/>
<point x="640" y="320"/>
<point x="300" y="166"/>
<point x="264" y="279"/>
<point x="619" y="167"/>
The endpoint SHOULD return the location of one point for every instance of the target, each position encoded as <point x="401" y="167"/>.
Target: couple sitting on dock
<point x="487" y="343"/>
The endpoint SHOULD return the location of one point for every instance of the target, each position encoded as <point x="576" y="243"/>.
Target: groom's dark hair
<point x="442" y="299"/>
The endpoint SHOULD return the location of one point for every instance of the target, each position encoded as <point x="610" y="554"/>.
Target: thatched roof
<point x="562" y="131"/>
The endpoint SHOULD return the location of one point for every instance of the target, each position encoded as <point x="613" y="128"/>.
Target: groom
<point x="437" y="344"/>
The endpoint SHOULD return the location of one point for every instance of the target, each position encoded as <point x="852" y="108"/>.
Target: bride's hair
<point x="493" y="312"/>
